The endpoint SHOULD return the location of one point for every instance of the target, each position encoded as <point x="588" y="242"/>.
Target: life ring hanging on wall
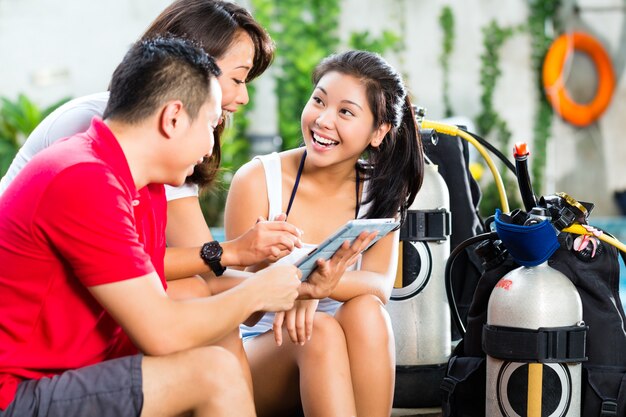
<point x="578" y="114"/>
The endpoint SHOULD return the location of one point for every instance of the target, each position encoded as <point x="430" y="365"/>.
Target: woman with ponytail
<point x="362" y="159"/>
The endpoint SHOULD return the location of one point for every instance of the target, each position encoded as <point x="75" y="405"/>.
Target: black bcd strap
<point x="557" y="344"/>
<point x="426" y="225"/>
<point x="609" y="409"/>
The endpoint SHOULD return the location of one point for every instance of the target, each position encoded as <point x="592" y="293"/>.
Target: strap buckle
<point x="426" y="225"/>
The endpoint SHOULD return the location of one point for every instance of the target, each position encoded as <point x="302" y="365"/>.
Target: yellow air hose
<point x="452" y="130"/>
<point x="455" y="131"/>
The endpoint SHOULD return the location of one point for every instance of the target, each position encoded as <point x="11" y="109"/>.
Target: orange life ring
<point x="578" y="114"/>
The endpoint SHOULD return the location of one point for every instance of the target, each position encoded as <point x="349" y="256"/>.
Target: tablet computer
<point x="348" y="231"/>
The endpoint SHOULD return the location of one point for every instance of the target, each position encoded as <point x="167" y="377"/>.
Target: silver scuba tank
<point x="535" y="341"/>
<point x="420" y="315"/>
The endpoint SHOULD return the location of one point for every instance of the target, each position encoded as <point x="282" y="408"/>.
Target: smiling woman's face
<point x="235" y="65"/>
<point x="337" y="122"/>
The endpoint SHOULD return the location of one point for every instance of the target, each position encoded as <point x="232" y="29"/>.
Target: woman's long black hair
<point x="395" y="169"/>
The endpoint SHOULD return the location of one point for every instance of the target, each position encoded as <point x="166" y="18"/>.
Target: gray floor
<point x="416" y="412"/>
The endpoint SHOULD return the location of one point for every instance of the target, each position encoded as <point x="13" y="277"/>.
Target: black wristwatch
<point x="211" y="254"/>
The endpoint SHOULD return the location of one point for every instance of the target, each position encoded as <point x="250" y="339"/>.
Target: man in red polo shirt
<point x="76" y="276"/>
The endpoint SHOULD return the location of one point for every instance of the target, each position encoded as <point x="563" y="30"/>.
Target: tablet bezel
<point x="348" y="231"/>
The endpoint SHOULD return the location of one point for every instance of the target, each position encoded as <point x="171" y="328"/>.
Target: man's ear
<point x="379" y="134"/>
<point x="170" y="118"/>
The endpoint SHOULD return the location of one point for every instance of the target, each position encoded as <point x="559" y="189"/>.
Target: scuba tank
<point x="418" y="307"/>
<point x="534" y="337"/>
<point x="589" y="259"/>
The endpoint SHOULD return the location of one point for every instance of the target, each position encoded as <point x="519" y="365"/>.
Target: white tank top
<point x="273" y="180"/>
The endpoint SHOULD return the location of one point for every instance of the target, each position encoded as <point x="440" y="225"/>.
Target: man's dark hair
<point x="155" y="71"/>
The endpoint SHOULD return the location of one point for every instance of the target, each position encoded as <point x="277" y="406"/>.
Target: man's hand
<point x="326" y="276"/>
<point x="276" y="287"/>
<point x="265" y="241"/>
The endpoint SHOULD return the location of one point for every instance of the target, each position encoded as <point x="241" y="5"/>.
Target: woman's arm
<point x="246" y="200"/>
<point x="186" y="226"/>
<point x="377" y="273"/>
<point x="187" y="231"/>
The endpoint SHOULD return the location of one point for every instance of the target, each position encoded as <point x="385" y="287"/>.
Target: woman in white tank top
<point x="335" y="348"/>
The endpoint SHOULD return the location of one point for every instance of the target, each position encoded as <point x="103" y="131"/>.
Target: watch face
<point x="212" y="251"/>
<point x="211" y="254"/>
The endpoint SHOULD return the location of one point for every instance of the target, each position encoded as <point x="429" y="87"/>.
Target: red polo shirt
<point x="71" y="219"/>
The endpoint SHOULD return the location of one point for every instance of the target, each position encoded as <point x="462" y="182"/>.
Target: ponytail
<point x="395" y="169"/>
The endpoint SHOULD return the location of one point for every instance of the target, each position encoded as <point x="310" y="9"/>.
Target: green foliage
<point x="388" y="41"/>
<point x="489" y="120"/>
<point x="446" y="21"/>
<point x="17" y="120"/>
<point x="494" y="37"/>
<point x="305" y="32"/>
<point x="542" y="14"/>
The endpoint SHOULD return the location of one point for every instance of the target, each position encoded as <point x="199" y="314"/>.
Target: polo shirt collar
<point x="110" y="151"/>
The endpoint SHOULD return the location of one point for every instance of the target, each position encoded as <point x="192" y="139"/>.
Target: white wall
<point x="591" y="160"/>
<point x="53" y="48"/>
<point x="586" y="163"/>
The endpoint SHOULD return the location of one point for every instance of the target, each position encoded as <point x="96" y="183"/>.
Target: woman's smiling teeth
<point x="323" y="141"/>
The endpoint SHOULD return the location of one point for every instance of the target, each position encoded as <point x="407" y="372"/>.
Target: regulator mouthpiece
<point x="529" y="245"/>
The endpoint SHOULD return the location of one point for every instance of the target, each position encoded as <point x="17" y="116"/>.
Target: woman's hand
<point x="325" y="277"/>
<point x="299" y="322"/>
<point x="265" y="241"/>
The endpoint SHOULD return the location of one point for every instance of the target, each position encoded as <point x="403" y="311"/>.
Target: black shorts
<point x="108" y="389"/>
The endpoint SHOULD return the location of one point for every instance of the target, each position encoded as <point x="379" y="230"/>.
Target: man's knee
<point x="215" y="365"/>
<point x="207" y="378"/>
<point x="202" y="370"/>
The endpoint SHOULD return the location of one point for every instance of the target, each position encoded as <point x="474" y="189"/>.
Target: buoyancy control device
<point x="588" y="258"/>
<point x="534" y="337"/>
